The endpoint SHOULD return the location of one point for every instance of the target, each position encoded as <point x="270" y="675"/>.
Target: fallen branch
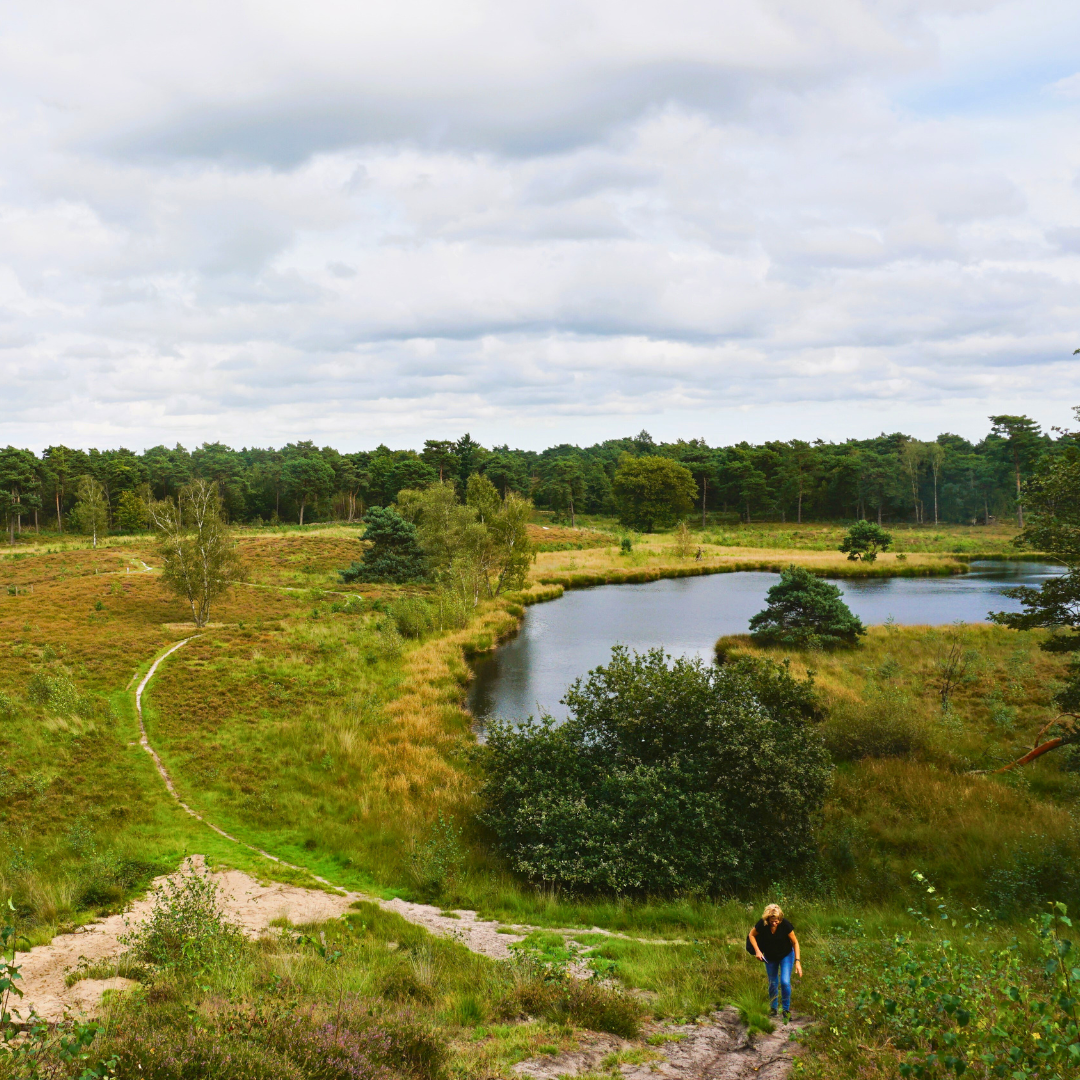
<point x="1071" y="735"/>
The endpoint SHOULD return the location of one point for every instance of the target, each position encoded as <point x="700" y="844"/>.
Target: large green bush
<point x="668" y="775"/>
<point x="803" y="612"/>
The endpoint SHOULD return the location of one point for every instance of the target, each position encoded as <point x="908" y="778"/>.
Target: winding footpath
<point x="716" y="1048"/>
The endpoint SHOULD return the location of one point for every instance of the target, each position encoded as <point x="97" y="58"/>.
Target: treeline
<point x="891" y="478"/>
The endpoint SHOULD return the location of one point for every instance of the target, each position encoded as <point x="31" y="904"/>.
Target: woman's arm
<point x="753" y="939"/>
<point x="798" y="962"/>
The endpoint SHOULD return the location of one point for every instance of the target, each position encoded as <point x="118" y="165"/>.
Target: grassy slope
<point x="332" y="743"/>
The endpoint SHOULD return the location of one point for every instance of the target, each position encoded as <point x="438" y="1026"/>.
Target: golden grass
<point x="655" y="556"/>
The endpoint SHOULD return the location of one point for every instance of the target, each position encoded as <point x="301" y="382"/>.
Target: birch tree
<point x="199" y="558"/>
<point x="91" y="512"/>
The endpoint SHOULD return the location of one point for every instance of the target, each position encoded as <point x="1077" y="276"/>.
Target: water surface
<point x="563" y="639"/>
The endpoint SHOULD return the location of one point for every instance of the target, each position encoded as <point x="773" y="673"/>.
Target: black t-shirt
<point x="774" y="946"/>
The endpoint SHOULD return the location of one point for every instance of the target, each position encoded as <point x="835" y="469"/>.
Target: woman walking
<point x="775" y="943"/>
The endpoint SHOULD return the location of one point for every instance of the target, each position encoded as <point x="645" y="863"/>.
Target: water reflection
<point x="565" y="638"/>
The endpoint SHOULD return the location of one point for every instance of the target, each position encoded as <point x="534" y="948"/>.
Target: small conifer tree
<point x="805" y="612"/>
<point x="395" y="554"/>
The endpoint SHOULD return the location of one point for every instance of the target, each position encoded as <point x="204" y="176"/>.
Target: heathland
<point x="325" y="725"/>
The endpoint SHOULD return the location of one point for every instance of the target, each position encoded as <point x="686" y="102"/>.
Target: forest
<point x="892" y="478"/>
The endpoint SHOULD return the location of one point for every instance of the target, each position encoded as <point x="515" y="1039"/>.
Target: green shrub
<point x="661" y="778"/>
<point x="186" y="929"/>
<point x="1044" y="868"/>
<point x="882" y="725"/>
<point x="412" y="617"/>
<point x="563" y="999"/>
<point x="436" y="862"/>
<point x="55" y="690"/>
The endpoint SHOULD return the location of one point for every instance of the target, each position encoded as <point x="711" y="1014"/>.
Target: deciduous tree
<point x="199" y="557"/>
<point x="91" y="511"/>
<point x="651" y="491"/>
<point x="307" y="477"/>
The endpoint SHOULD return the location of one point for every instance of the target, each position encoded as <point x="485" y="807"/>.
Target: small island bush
<point x="668" y="775"/>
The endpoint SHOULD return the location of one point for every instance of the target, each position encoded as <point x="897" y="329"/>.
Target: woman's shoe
<point x="772" y="1012"/>
<point x="787" y="1017"/>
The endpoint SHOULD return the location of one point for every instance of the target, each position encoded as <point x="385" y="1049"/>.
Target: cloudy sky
<point x="394" y="220"/>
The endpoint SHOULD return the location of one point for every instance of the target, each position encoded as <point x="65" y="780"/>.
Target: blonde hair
<point x="772" y="909"/>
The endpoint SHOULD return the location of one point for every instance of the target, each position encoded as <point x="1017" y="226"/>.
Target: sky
<point x="381" y="222"/>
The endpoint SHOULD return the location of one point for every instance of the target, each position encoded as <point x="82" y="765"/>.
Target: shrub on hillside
<point x="394" y="556"/>
<point x="412" y="616"/>
<point x="588" y="1004"/>
<point x="186" y="929"/>
<point x="881" y="724"/>
<point x="805" y="612"/>
<point x="668" y="775"/>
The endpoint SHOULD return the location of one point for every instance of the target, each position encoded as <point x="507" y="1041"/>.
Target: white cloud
<point x="356" y="223"/>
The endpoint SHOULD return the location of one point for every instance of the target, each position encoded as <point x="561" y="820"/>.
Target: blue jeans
<point x="781" y="974"/>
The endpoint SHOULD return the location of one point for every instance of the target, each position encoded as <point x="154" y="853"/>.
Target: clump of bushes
<point x="662" y="778"/>
<point x="587" y="1003"/>
<point x="412" y="616"/>
<point x="55" y="689"/>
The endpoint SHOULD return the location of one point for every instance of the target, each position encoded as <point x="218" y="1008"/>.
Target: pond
<point x="563" y="639"/>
